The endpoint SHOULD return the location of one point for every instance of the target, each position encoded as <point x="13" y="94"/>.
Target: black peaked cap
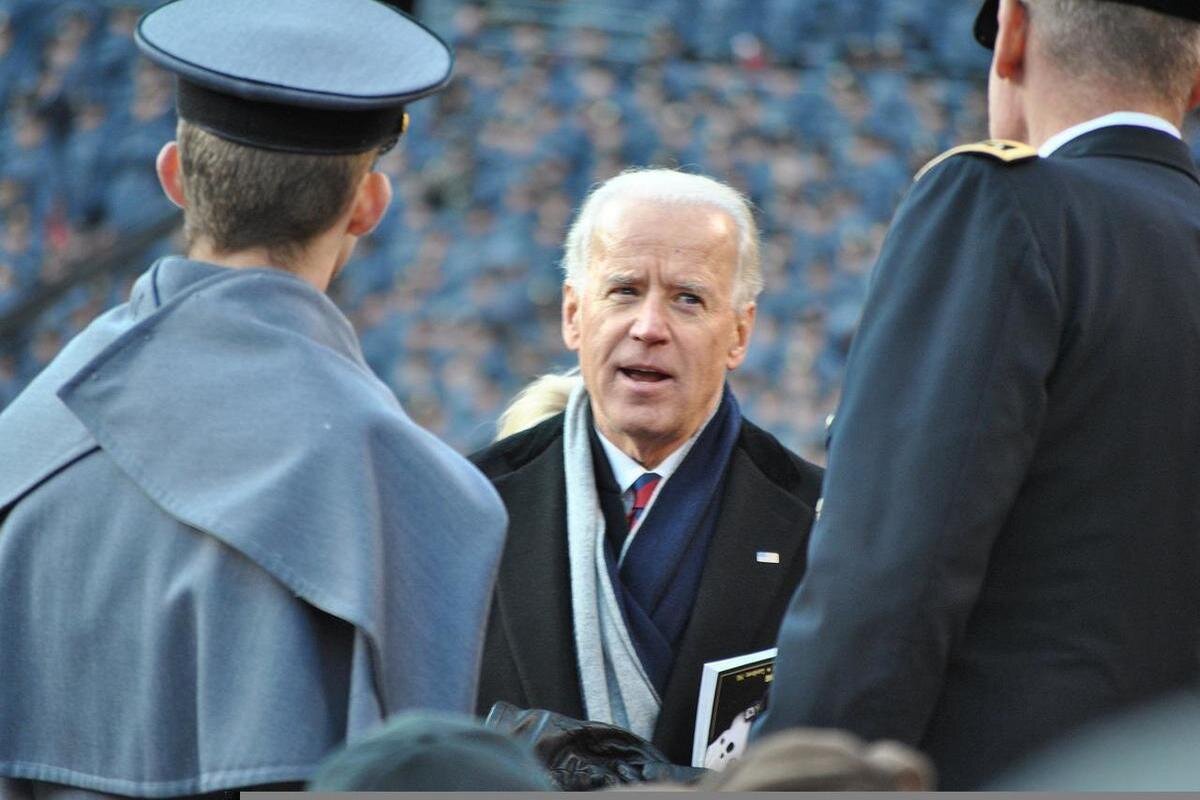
<point x="306" y="76"/>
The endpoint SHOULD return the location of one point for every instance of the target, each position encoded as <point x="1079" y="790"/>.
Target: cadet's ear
<point x="371" y="200"/>
<point x="1194" y="98"/>
<point x="570" y="317"/>
<point x="169" y="175"/>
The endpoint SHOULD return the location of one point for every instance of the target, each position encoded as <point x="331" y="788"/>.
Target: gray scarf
<point x="615" y="687"/>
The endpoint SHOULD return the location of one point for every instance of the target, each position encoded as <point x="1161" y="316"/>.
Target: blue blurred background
<point x="819" y="110"/>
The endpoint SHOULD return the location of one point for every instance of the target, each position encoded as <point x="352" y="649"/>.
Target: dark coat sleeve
<point x="942" y="402"/>
<point x="529" y="653"/>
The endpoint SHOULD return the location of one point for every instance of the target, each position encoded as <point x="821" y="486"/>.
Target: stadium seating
<point x="820" y="110"/>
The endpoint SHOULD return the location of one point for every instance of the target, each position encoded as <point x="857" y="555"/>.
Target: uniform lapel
<point x="756" y="516"/>
<point x="533" y="592"/>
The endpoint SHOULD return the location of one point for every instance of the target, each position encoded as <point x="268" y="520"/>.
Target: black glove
<point x="587" y="755"/>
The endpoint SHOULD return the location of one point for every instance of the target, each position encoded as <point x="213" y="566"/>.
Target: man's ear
<point x="1008" y="55"/>
<point x="742" y="330"/>
<point x="169" y="175"/>
<point x="1194" y="97"/>
<point x="570" y="317"/>
<point x="371" y="200"/>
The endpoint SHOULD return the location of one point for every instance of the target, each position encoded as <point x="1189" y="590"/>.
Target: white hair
<point x="674" y="187"/>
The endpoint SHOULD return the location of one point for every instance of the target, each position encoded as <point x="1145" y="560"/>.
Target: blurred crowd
<point x="82" y="120"/>
<point x="819" y="110"/>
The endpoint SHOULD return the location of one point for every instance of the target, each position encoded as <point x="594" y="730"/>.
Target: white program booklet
<point x="731" y="695"/>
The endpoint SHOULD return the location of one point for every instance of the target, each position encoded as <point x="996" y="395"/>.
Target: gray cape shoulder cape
<point x="224" y="547"/>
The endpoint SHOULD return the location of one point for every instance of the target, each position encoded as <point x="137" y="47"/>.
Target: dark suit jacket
<point x="529" y="655"/>
<point x="1010" y="538"/>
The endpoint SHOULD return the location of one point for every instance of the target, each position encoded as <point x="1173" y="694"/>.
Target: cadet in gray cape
<point x="224" y="547"/>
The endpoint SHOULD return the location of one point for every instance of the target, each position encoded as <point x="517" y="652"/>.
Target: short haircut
<point x="241" y="197"/>
<point x="673" y="187"/>
<point x="1124" y="46"/>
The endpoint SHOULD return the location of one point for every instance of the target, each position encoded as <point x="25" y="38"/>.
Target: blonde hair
<point x="541" y="399"/>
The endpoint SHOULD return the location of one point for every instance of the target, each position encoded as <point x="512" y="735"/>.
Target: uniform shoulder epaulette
<point x="1000" y="149"/>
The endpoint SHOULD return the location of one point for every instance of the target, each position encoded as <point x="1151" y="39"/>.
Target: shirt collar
<point x="626" y="470"/>
<point x="1108" y="120"/>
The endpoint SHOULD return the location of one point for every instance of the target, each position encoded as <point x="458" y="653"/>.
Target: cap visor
<point x="986" y="24"/>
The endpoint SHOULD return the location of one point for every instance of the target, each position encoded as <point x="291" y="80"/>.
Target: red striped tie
<point x="643" y="490"/>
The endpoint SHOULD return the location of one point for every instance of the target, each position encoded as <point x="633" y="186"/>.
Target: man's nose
<point x="650" y="326"/>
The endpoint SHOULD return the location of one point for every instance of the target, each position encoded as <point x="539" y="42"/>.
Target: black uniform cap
<point x="304" y="76"/>
<point x="986" y="27"/>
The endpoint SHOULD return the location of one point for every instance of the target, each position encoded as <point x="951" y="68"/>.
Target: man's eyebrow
<point x="619" y="278"/>
<point x="696" y="287"/>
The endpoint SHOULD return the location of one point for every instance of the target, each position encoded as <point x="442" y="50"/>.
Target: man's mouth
<point x="644" y="374"/>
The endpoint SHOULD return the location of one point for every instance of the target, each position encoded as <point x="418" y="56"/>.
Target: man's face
<point x="654" y="322"/>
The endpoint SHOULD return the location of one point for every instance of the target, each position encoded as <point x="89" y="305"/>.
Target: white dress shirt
<point x="626" y="471"/>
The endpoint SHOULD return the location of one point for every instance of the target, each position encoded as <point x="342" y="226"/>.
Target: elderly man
<point x="652" y="528"/>
<point x="1010" y="542"/>
<point x="219" y="532"/>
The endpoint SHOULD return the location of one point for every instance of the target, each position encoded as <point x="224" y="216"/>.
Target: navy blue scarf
<point x="657" y="583"/>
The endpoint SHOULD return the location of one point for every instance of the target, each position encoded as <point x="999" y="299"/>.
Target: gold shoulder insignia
<point x="1000" y="149"/>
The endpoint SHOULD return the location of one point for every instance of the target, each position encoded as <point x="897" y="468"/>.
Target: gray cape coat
<point x="224" y="547"/>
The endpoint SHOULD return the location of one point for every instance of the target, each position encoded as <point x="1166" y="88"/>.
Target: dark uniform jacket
<point x="529" y="654"/>
<point x="1009" y="540"/>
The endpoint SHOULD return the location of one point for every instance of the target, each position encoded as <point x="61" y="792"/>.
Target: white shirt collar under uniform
<point x="1137" y="118"/>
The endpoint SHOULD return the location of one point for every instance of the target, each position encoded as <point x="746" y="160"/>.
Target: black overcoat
<point x="529" y="655"/>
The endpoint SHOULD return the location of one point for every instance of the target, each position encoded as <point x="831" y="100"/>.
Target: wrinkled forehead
<point x="685" y="232"/>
